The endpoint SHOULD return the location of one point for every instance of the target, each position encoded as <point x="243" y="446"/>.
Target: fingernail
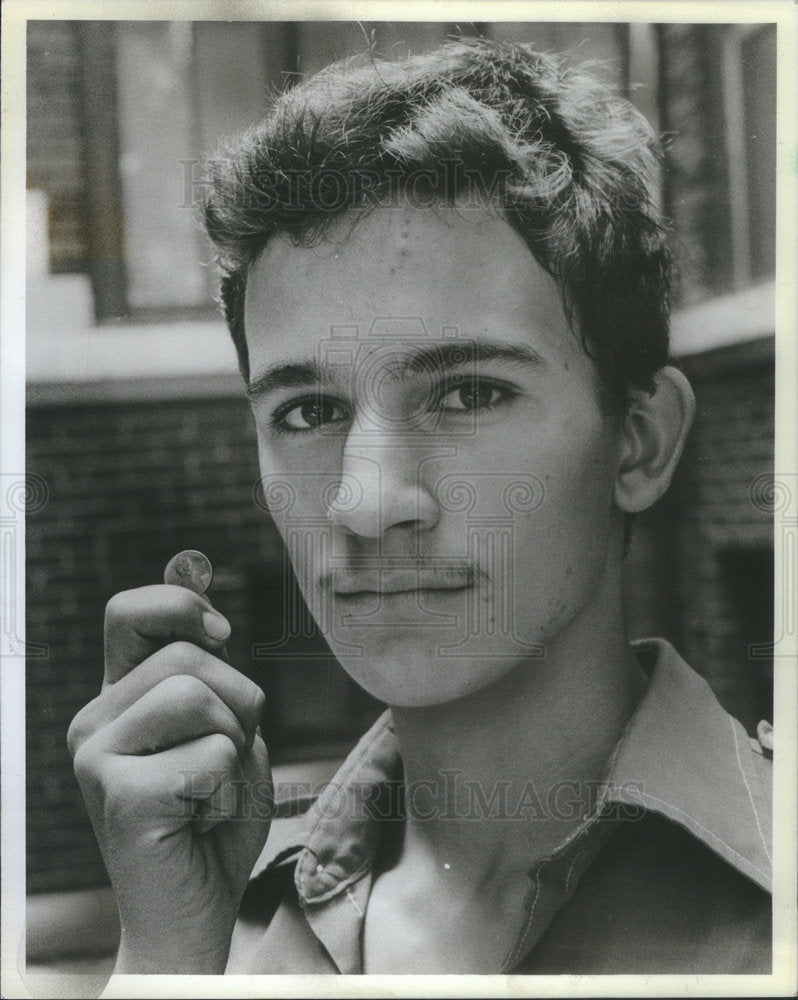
<point x="216" y="627"/>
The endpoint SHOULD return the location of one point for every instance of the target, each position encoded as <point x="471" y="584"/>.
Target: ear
<point x="652" y="439"/>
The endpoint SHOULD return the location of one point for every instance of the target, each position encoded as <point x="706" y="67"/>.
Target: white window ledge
<point x="725" y="320"/>
<point x="69" y="360"/>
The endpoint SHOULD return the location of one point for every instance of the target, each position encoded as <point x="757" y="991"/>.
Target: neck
<point x="532" y="746"/>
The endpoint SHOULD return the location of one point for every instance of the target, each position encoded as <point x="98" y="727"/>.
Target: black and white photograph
<point x="399" y="499"/>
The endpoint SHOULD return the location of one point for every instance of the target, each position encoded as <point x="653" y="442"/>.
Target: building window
<point x="745" y="632"/>
<point x="718" y="113"/>
<point x="54" y="147"/>
<point x="123" y="116"/>
<point x="756" y="50"/>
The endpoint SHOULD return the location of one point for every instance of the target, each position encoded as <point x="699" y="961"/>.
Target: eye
<point x="473" y="394"/>
<point x="310" y="414"/>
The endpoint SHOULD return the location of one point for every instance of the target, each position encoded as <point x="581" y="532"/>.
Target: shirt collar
<point x="681" y="755"/>
<point x="684" y="756"/>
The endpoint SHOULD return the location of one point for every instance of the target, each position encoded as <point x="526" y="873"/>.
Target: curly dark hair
<point x="569" y="162"/>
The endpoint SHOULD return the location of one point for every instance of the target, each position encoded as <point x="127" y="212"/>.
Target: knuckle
<point x="87" y="765"/>
<point x="82" y="727"/>
<point x="258" y="701"/>
<point x="189" y="691"/>
<point x="118" y="607"/>
<point x="184" y="656"/>
<point x="223" y="751"/>
<point x="76" y="734"/>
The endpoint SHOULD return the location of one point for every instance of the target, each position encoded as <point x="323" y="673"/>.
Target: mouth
<point x="366" y="583"/>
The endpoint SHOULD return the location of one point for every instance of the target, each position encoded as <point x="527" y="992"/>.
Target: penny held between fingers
<point x="190" y="569"/>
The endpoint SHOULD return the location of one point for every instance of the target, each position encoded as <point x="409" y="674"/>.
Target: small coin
<point x="190" y="569"/>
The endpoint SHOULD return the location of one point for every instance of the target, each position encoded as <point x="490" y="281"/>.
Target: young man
<point x="448" y="287"/>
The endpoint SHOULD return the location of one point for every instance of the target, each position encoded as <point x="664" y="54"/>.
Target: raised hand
<point x="176" y="778"/>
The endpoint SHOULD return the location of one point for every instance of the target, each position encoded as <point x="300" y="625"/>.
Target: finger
<point x="205" y="779"/>
<point x="242" y="696"/>
<point x="158" y="792"/>
<point x="252" y="798"/>
<point x="179" y="709"/>
<point x="140" y="621"/>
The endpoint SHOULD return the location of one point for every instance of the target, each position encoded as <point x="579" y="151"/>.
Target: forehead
<point x="403" y="272"/>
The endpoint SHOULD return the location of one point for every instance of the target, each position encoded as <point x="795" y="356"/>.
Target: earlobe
<point x="652" y="440"/>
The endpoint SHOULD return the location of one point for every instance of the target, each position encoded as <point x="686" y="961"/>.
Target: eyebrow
<point x="441" y="357"/>
<point x="294" y="375"/>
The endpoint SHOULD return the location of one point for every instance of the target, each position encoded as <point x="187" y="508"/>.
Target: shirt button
<point x="764" y="735"/>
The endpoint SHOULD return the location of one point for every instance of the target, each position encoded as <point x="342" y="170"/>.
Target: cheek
<point x="293" y="497"/>
<point x="578" y="471"/>
<point x="561" y="548"/>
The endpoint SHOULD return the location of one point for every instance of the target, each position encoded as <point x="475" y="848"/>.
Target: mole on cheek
<point x="404" y="235"/>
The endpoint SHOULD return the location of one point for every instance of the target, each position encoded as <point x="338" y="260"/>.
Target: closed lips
<point x="400" y="581"/>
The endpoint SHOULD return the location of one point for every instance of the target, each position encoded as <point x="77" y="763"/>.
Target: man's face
<point x="432" y="448"/>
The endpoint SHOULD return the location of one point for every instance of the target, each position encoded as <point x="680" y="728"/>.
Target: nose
<point x="382" y="486"/>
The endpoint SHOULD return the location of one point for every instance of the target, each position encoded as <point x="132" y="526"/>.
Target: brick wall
<point x="726" y="527"/>
<point x="701" y="566"/>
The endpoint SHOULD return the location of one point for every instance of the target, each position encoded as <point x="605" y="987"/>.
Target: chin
<point x="416" y="677"/>
<point x="413" y="653"/>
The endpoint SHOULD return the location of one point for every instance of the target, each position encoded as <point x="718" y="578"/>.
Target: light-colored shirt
<point x="669" y="873"/>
